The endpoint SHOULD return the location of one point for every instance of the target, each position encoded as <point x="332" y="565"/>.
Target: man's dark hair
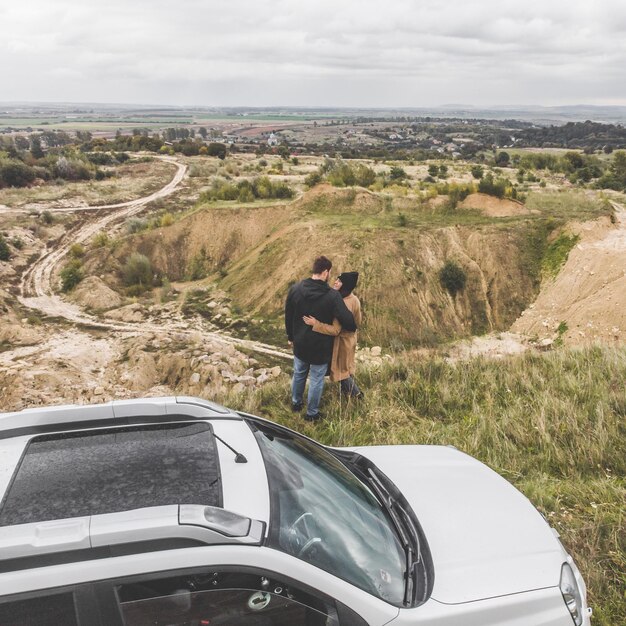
<point x="321" y="264"/>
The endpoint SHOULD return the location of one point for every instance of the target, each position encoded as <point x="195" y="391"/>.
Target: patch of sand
<point x="589" y="293"/>
<point x="492" y="206"/>
<point x="94" y="294"/>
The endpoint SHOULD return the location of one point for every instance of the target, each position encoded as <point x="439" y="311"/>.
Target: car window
<point x="323" y="514"/>
<point x="102" y="471"/>
<point x="219" y="598"/>
<point x="51" y="610"/>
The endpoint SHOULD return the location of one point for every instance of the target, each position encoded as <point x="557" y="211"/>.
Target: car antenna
<point x="239" y="458"/>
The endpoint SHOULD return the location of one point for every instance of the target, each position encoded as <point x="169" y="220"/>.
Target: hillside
<point x="255" y="253"/>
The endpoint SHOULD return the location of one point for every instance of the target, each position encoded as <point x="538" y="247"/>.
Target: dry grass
<point x="133" y="180"/>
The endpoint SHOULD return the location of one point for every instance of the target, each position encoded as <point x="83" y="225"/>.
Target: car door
<point x="218" y="596"/>
<point x="72" y="605"/>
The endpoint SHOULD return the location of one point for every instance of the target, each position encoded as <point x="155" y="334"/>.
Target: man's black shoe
<point x="296" y="407"/>
<point x="313" y="418"/>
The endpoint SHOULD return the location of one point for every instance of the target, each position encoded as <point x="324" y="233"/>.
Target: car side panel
<point x="544" y="607"/>
<point x="374" y="611"/>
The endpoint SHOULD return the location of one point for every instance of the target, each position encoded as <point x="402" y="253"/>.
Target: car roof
<point x="87" y="477"/>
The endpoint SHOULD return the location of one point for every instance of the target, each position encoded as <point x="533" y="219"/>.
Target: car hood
<point x="485" y="537"/>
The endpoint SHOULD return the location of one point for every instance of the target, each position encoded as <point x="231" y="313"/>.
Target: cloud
<point x="424" y="52"/>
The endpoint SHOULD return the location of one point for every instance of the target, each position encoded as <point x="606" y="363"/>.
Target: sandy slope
<point x="589" y="294"/>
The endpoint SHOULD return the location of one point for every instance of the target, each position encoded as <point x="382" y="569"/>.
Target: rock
<point x="238" y="388"/>
<point x="274" y="371"/>
<point x="98" y="391"/>
<point x="195" y="378"/>
<point x="376" y="351"/>
<point x="252" y="361"/>
<point x="211" y="305"/>
<point x="249" y="372"/>
<point x="545" y="344"/>
<point x="263" y="378"/>
<point x="248" y="381"/>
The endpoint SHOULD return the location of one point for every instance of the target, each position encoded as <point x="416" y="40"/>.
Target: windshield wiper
<point x="401" y="526"/>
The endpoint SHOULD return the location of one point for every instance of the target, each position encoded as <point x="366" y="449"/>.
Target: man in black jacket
<point x="312" y="351"/>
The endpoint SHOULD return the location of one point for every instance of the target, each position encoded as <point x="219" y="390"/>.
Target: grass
<point x="133" y="180"/>
<point x="556" y="254"/>
<point x="570" y="205"/>
<point x="554" y="425"/>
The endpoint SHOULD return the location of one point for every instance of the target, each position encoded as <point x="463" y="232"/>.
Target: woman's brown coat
<point x="342" y="363"/>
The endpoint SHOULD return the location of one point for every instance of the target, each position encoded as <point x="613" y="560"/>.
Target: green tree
<point x="217" y="149"/>
<point x="433" y="170"/>
<point x="503" y="159"/>
<point x="35" y="147"/>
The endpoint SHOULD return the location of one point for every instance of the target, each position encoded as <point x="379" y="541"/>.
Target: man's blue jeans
<point x="316" y="373"/>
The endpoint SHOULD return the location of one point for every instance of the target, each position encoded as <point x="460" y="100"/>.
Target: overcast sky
<point x="367" y="53"/>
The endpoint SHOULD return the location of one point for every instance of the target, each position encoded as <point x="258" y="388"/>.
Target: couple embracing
<point x="321" y="326"/>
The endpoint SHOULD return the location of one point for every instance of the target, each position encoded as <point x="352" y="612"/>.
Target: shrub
<point x="477" y="171"/>
<point x="314" y="178"/>
<point x="247" y="191"/>
<point x="492" y="187"/>
<point x="135" y="225"/>
<point x="100" y="240"/>
<point x="71" y="275"/>
<point x="16" y="174"/>
<point x="137" y="270"/>
<point x="166" y="220"/>
<point x="5" y="253"/>
<point x="47" y="217"/>
<point x="17" y="243"/>
<point x="77" y="251"/>
<point x="397" y="173"/>
<point x="452" y="277"/>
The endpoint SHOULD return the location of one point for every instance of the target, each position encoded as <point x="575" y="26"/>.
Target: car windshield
<point x="322" y="514"/>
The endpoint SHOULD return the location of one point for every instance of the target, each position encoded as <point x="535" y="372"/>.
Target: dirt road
<point x="37" y="291"/>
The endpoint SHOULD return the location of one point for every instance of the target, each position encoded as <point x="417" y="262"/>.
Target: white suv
<point x="177" y="511"/>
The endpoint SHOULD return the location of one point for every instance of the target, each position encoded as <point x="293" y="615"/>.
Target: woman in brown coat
<point x="342" y="364"/>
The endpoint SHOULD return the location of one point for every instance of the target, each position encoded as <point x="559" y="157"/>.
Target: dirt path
<point x="37" y="290"/>
<point x="588" y="297"/>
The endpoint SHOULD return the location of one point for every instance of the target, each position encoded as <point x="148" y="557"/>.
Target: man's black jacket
<point x="316" y="298"/>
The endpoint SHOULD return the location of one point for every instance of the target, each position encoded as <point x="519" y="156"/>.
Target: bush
<point x="166" y="220"/>
<point x="397" y="173"/>
<point x="16" y="174"/>
<point x="452" y="277"/>
<point x="137" y="270"/>
<point x="493" y="187"/>
<point x="314" y="178"/>
<point x="100" y="240"/>
<point x="217" y="149"/>
<point x="47" y="218"/>
<point x="5" y="253"/>
<point x="477" y="171"/>
<point x="135" y="225"/>
<point x="247" y="191"/>
<point x="71" y="275"/>
<point x="77" y="251"/>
